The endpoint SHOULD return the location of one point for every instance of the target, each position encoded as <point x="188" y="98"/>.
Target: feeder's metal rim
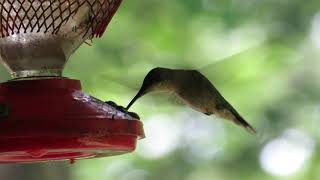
<point x="33" y="73"/>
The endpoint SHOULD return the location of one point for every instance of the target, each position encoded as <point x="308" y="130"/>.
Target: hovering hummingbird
<point x="194" y="89"/>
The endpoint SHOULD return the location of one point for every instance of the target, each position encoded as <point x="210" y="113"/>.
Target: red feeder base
<point x="51" y="119"/>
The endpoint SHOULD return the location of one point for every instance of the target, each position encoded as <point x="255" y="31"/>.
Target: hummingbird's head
<point x="158" y="79"/>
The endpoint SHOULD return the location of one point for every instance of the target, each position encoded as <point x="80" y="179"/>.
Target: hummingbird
<point x="194" y="89"/>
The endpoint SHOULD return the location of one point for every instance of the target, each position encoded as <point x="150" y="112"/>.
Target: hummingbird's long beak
<point x="139" y="94"/>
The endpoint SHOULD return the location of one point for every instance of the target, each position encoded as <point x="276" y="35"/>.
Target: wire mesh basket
<point x="38" y="36"/>
<point x="50" y="16"/>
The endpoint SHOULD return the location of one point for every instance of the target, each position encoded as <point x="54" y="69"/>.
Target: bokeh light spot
<point x="286" y="154"/>
<point x="163" y="135"/>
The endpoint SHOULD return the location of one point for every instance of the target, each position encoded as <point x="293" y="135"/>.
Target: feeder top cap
<point x="38" y="36"/>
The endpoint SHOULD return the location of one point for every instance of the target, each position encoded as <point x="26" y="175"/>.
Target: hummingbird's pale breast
<point x="164" y="86"/>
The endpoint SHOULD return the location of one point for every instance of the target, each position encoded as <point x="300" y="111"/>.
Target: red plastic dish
<point x="51" y="119"/>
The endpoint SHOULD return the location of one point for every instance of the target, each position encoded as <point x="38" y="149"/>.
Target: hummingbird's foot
<point x="208" y="113"/>
<point x="122" y="109"/>
<point x="111" y="103"/>
<point x="134" y="115"/>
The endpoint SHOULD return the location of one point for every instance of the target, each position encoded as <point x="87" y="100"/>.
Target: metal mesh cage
<point x="38" y="36"/>
<point x="49" y="16"/>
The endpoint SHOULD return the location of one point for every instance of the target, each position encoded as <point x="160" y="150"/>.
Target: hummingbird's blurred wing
<point x="229" y="60"/>
<point x="217" y="65"/>
<point x="227" y="69"/>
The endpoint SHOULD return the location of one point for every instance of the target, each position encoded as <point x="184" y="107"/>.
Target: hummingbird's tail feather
<point x="248" y="127"/>
<point x="240" y="121"/>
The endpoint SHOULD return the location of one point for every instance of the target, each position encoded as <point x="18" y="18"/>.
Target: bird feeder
<point x="44" y="116"/>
